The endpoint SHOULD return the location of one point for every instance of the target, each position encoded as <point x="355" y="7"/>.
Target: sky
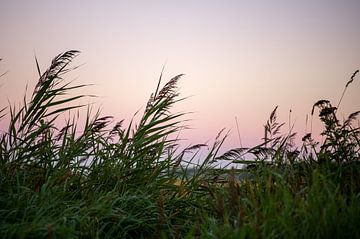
<point x="240" y="58"/>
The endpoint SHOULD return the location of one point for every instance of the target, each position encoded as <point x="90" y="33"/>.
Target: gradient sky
<point x="241" y="58"/>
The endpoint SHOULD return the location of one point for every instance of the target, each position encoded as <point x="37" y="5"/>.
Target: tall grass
<point x="107" y="180"/>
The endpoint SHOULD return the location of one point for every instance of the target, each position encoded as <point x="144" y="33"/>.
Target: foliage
<point x="107" y="180"/>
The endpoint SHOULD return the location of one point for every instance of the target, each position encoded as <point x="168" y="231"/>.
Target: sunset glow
<point x="240" y="58"/>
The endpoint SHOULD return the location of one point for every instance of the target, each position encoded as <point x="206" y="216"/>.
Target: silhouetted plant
<point x="109" y="180"/>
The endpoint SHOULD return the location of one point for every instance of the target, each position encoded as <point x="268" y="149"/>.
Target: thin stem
<point x="238" y="131"/>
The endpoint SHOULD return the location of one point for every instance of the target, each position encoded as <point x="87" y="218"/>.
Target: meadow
<point x="104" y="179"/>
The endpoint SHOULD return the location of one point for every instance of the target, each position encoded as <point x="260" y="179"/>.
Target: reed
<point x="111" y="180"/>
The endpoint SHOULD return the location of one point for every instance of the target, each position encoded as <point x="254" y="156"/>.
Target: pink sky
<point x="241" y="58"/>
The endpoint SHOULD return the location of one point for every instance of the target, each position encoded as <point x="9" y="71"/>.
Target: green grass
<point x="107" y="180"/>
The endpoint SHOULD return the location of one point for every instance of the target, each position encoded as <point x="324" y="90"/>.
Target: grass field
<point x="107" y="180"/>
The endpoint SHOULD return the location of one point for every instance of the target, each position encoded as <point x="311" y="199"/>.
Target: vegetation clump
<point x="107" y="180"/>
